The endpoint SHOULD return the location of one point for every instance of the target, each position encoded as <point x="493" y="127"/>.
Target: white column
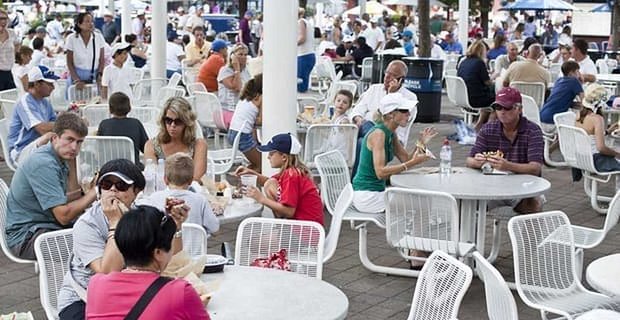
<point x="463" y="23"/>
<point x="102" y="4"/>
<point x="125" y="18"/>
<point x="111" y="5"/>
<point x="279" y="71"/>
<point x="362" y="4"/>
<point x="158" y="39"/>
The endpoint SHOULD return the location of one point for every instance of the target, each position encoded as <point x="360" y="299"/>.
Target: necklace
<point x="130" y="269"/>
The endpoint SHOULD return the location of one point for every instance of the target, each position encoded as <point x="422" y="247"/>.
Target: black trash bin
<point x="380" y="63"/>
<point x="424" y="79"/>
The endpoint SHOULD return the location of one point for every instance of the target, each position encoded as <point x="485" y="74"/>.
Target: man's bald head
<point x="399" y="66"/>
<point x="396" y="70"/>
<point x="534" y="51"/>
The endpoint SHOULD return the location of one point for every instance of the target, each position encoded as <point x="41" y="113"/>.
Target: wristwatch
<point x="178" y="234"/>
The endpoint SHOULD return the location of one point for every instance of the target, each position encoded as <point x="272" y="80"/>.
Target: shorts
<point x="246" y="142"/>
<point x="369" y="201"/>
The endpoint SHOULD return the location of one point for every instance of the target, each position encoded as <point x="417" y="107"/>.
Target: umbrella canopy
<point x="372" y="8"/>
<point x="540" y="5"/>
<point x="602" y="8"/>
<point x="413" y="3"/>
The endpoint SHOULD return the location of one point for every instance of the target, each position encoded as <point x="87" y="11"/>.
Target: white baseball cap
<point x="35" y="74"/>
<point x="396" y="101"/>
<point x="120" y="46"/>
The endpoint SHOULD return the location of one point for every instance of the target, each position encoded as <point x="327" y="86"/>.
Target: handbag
<point x="146" y="298"/>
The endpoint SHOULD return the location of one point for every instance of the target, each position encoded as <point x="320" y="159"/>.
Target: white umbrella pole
<point x="463" y="23"/>
<point x="125" y="18"/>
<point x="362" y="7"/>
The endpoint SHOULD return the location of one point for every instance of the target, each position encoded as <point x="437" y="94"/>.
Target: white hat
<point x="395" y="101"/>
<point x="108" y="13"/>
<point x="140" y="12"/>
<point x="180" y="9"/>
<point x="348" y="38"/>
<point x="374" y="20"/>
<point x="35" y="74"/>
<point x="120" y="46"/>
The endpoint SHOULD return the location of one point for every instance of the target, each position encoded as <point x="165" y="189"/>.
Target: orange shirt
<point x="209" y="70"/>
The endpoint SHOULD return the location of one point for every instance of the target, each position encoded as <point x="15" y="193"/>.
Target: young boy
<point x="562" y="95"/>
<point x="178" y="176"/>
<point x="342" y="104"/>
<point x="116" y="78"/>
<point x="122" y="126"/>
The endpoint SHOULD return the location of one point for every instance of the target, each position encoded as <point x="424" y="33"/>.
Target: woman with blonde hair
<point x="473" y="70"/>
<point x="177" y="133"/>
<point x="231" y="79"/>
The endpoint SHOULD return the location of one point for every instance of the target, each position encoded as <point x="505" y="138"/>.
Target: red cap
<point x="507" y="97"/>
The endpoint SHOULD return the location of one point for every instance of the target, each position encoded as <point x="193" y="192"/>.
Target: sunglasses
<point x="120" y="185"/>
<point x="403" y="110"/>
<point x="498" y="107"/>
<point x="177" y="122"/>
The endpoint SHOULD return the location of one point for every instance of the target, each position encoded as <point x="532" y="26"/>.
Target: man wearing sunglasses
<point x="44" y="193"/>
<point x="520" y="141"/>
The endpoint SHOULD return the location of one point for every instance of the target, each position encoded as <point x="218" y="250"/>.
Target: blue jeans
<point x="305" y="64"/>
<point x="361" y="133"/>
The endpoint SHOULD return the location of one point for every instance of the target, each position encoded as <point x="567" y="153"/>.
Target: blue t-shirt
<point x="408" y="46"/>
<point x="39" y="185"/>
<point x="474" y="72"/>
<point x="496" y="52"/>
<point x="453" y="47"/>
<point x="29" y="112"/>
<point x="561" y="98"/>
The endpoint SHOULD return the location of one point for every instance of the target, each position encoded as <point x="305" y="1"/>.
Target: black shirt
<point x="126" y="127"/>
<point x="359" y="54"/>
<point x="474" y="72"/>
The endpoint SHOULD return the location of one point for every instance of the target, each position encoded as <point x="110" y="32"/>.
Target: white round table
<point x="239" y="210"/>
<point x="473" y="189"/>
<point x="259" y="293"/>
<point x="604" y="276"/>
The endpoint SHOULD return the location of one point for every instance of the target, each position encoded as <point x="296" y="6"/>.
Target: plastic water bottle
<point x="149" y="177"/>
<point x="445" y="158"/>
<point x="160" y="185"/>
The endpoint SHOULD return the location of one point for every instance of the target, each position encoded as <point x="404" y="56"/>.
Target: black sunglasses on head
<point x="120" y="185"/>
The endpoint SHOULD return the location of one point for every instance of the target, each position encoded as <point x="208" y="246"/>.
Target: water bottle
<point x="149" y="177"/>
<point x="160" y="184"/>
<point x="445" y="158"/>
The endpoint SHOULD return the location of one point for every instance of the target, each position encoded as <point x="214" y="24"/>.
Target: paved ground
<point x="371" y="296"/>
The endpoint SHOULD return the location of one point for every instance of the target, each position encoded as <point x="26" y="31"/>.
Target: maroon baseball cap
<point x="507" y="97"/>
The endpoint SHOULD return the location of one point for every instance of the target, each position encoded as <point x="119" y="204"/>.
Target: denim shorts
<point x="246" y="142"/>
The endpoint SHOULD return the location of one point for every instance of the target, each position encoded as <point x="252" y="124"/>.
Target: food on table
<point x="496" y="154"/>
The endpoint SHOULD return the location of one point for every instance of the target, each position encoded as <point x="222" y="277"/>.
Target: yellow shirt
<point x="192" y="51"/>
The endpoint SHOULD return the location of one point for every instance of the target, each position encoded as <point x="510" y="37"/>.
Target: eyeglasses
<point x="177" y="122"/>
<point x="498" y="107"/>
<point x="120" y="185"/>
<point x="403" y="110"/>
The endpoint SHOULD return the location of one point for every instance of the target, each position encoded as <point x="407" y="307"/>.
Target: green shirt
<point x="366" y="179"/>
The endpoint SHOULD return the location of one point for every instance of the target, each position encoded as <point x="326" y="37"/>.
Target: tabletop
<point x="239" y="210"/>
<point x="604" y="276"/>
<point x="471" y="184"/>
<point x="258" y="293"/>
<point x="608" y="77"/>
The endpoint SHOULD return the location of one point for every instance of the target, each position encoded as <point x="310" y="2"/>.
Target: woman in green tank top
<point x="379" y="147"/>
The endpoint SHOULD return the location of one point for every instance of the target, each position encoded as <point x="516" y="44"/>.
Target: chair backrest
<point x="535" y="90"/>
<point x="8" y="107"/>
<point x="194" y="87"/>
<point x="9" y="94"/>
<point x="422" y="220"/>
<point x="49" y="63"/>
<point x="137" y="74"/>
<point x="555" y="69"/>
<point x="4" y="193"/>
<point x="366" y="69"/>
<point x="337" y="85"/>
<point x="304" y="242"/>
<point x="321" y="138"/>
<point x="97" y="150"/>
<point x="4" y="139"/>
<point x="53" y="251"/>
<point x="567" y="118"/>
<point x="544" y="256"/>
<point x="194" y="239"/>
<point x="166" y="93"/>
<point x="530" y="109"/>
<point x="575" y="145"/>
<point x="58" y="98"/>
<point x="501" y="304"/>
<point x="146" y="91"/>
<point x="593" y="45"/>
<point x="613" y="213"/>
<point x="440" y="288"/>
<point x="84" y="95"/>
<point x="145" y="114"/>
<point x="325" y="68"/>
<point x="174" y="80"/>
<point x="334" y="173"/>
<point x="604" y="45"/>
<point x="95" y="113"/>
<point x="190" y="74"/>
<point x="331" y="240"/>
<point x="603" y="67"/>
<point x="223" y="159"/>
<point x="206" y="104"/>
<point x="458" y="90"/>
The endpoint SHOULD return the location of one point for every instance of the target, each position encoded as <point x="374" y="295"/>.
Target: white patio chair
<point x="84" y="95"/>
<point x="94" y="114"/>
<point x="9" y="94"/>
<point x="194" y="87"/>
<point x="321" y="138"/>
<point x="440" y="289"/>
<point x="602" y="66"/>
<point x="491" y="66"/>
<point x="424" y="221"/>
<point x="189" y="74"/>
<point x="342" y="205"/>
<point x="593" y="46"/>
<point x="535" y="90"/>
<point x="4" y="139"/>
<point x="457" y="93"/>
<point x="194" y="239"/>
<point x="53" y="251"/>
<point x="174" y="80"/>
<point x="322" y="103"/>
<point x="146" y="90"/>
<point x="545" y="267"/>
<point x="137" y="74"/>
<point x="49" y="63"/>
<point x="4" y="193"/>
<point x="145" y="114"/>
<point x="166" y="93"/>
<point x="97" y="150"/>
<point x="58" y="99"/>
<point x="575" y="147"/>
<point x="325" y="72"/>
<point x="205" y="106"/>
<point x="588" y="238"/>
<point x="8" y="107"/>
<point x="566" y="118"/>
<point x="531" y="110"/>
<point x="304" y="242"/>
<point x="223" y="159"/>
<point x="366" y="76"/>
<point x="501" y="304"/>
<point x="555" y="69"/>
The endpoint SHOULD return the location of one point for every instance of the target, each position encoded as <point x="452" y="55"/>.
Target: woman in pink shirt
<point x="144" y="238"/>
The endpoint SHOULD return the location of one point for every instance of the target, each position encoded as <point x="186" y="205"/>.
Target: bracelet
<point x="110" y="235"/>
<point x="178" y="234"/>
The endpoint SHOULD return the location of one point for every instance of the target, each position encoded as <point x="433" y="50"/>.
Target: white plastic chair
<point x="8" y="107"/>
<point x="366" y="76"/>
<point x="566" y="118"/>
<point x="4" y="139"/>
<point x="194" y="239"/>
<point x="137" y="74"/>
<point x="145" y="114"/>
<point x="95" y="113"/>
<point x="53" y="251"/>
<point x="593" y="46"/>
<point x="146" y="91"/>
<point x="588" y="238"/>
<point x="342" y="205"/>
<point x="440" y="289"/>
<point x="194" y="87"/>
<point x="85" y="94"/>
<point x="530" y="109"/>
<point x="555" y="69"/>
<point x="322" y="103"/>
<point x="97" y="150"/>
<point x="57" y="98"/>
<point x="321" y="138"/>
<point x="545" y="268"/>
<point x="9" y="94"/>
<point x="457" y="93"/>
<point x="166" y="93"/>
<point x="189" y="74"/>
<point x="304" y="242"/>
<point x="501" y="304"/>
<point x="4" y="192"/>
<point x="535" y="90"/>
<point x="174" y="80"/>
<point x="575" y="146"/>
<point x="602" y="66"/>
<point x="205" y="106"/>
<point x="223" y="159"/>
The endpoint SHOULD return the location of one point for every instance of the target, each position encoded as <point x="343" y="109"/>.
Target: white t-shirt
<point x="37" y="56"/>
<point x="182" y="21"/>
<point x="18" y="72"/>
<point x="173" y="52"/>
<point x="117" y="80"/>
<point x="83" y="54"/>
<point x="136" y="27"/>
<point x="373" y="37"/>
<point x="229" y="98"/>
<point x="194" y="21"/>
<point x="587" y="66"/>
<point x="245" y="111"/>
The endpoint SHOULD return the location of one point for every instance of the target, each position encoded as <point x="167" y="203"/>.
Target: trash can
<point x="424" y="79"/>
<point x="380" y="63"/>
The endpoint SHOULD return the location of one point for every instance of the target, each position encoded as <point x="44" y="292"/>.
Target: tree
<point x="424" y="12"/>
<point x="615" y="25"/>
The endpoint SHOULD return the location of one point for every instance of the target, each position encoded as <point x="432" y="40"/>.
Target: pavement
<point x="372" y="295"/>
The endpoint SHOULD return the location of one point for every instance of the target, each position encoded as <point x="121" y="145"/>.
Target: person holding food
<point x="510" y="143"/>
<point x="145" y="238"/>
<point x="379" y="147"/>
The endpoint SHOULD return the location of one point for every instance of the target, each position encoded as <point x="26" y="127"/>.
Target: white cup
<point x="247" y="180"/>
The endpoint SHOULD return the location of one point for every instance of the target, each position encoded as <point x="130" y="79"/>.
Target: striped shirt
<point x="7" y="51"/>
<point x="527" y="147"/>
<point x="29" y="112"/>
